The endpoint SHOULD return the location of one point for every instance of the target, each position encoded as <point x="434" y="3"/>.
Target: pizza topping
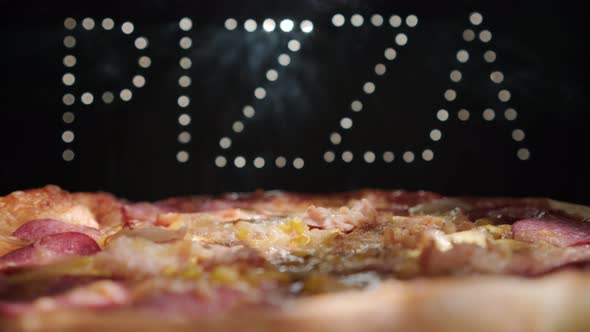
<point x="439" y="206"/>
<point x="558" y="232"/>
<point x="142" y="212"/>
<point x="345" y="218"/>
<point x="47" y="202"/>
<point x="10" y="243"/>
<point x="37" y="229"/>
<point x="48" y="249"/>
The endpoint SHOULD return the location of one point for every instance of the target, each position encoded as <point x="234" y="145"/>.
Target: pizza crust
<point x="557" y="302"/>
<point x="580" y="211"/>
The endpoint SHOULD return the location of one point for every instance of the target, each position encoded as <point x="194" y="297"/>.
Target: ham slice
<point x="558" y="232"/>
<point x="346" y="219"/>
<point x="37" y="229"/>
<point x="48" y="249"/>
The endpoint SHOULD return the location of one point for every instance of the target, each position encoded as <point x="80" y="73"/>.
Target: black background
<point x="129" y="148"/>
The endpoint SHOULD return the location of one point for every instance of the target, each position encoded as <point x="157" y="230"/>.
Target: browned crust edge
<point x="557" y="302"/>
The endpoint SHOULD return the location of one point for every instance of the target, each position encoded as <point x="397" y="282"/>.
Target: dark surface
<point x="129" y="148"/>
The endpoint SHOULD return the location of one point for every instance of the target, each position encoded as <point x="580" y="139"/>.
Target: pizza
<point x="365" y="260"/>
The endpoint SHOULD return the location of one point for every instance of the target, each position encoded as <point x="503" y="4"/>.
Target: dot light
<point x="182" y="156"/>
<point x="306" y="26"/>
<point x="369" y="157"/>
<point x="220" y="161"/>
<point x="240" y="161"/>
<point x="184" y="119"/>
<point x="281" y="162"/>
<point x="68" y="117"/>
<point x="401" y="39"/>
<point x="504" y="95"/>
<point x="68" y="136"/>
<point x="356" y="106"/>
<point x="294" y="45"/>
<point x="329" y="156"/>
<point x="69" y="61"/>
<point x="69" y="41"/>
<point x="126" y="95"/>
<point x="338" y="20"/>
<point x="510" y="114"/>
<point x="248" y="111"/>
<point x="238" y="126"/>
<point x="259" y="162"/>
<point x="68" y="155"/>
<point x="463" y="114"/>
<point x="141" y="43"/>
<point x="272" y="75"/>
<point x="269" y="25"/>
<point x="138" y="81"/>
<point x="395" y="21"/>
<point x="108" y="97"/>
<point x="408" y="156"/>
<point x="185" y="42"/>
<point x="518" y="135"/>
<point x="335" y="138"/>
<point x="485" y="36"/>
<point x="225" y="142"/>
<point x="462" y="56"/>
<point x="70" y="23"/>
<point x="184" y="137"/>
<point x="68" y="99"/>
<point x="489" y="114"/>
<point x="442" y="115"/>
<point x="357" y="20"/>
<point x="468" y="35"/>
<point x="145" y="62"/>
<point x="127" y="28"/>
<point x="435" y="135"/>
<point x="489" y="56"/>
<point x="87" y="98"/>
<point x="388" y="156"/>
<point x="380" y="69"/>
<point x="456" y="76"/>
<point x="369" y="88"/>
<point x="68" y="79"/>
<point x="411" y="20"/>
<point x="377" y="20"/>
<point x="346" y="123"/>
<point x="231" y="24"/>
<point x="287" y="25"/>
<point x="260" y="93"/>
<point x="475" y="18"/>
<point x="298" y="163"/>
<point x="390" y="53"/>
<point x="427" y="155"/>
<point x="284" y="59"/>
<point x="523" y="154"/>
<point x="250" y="25"/>
<point x="347" y="156"/>
<point x="185" y="24"/>
<point x="108" y="24"/>
<point x="184" y="81"/>
<point x="497" y="77"/>
<point x="88" y="23"/>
